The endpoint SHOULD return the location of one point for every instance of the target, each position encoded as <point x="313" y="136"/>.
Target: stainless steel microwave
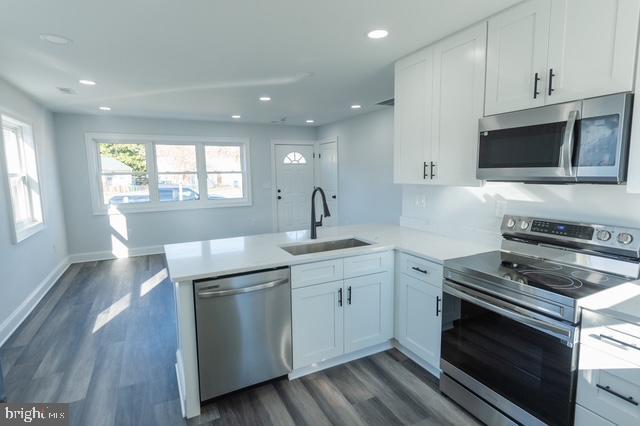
<point x="585" y="141"/>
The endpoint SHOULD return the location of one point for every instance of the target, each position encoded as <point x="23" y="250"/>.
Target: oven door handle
<point x="554" y="328"/>
<point x="566" y="159"/>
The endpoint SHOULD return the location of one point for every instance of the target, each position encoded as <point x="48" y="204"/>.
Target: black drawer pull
<point x="438" y="305"/>
<point x="339" y="297"/>
<point x="349" y="295"/>
<point x="536" y="79"/>
<point x="422" y="271"/>
<point x="620" y="342"/>
<point x="424" y="171"/>
<point x="629" y="399"/>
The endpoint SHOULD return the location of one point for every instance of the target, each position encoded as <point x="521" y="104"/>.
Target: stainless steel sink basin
<point x="299" y="249"/>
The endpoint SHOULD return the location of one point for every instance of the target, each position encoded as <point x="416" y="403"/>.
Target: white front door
<point x="328" y="180"/>
<point x="294" y="185"/>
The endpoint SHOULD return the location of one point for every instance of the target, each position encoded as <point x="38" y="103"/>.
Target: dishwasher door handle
<point x="233" y="291"/>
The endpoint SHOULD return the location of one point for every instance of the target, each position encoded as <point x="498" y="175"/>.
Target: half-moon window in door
<point x="294" y="158"/>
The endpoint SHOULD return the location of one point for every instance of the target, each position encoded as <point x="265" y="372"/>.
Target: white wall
<point x="366" y="192"/>
<point x="458" y="210"/>
<point x="89" y="233"/>
<point x="27" y="266"/>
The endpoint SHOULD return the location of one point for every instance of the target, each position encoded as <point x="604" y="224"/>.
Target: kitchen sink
<point x="299" y="249"/>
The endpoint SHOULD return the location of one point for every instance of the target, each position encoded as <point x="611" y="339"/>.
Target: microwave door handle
<point x="567" y="144"/>
<point x="553" y="328"/>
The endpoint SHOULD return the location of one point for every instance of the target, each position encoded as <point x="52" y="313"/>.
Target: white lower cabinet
<point x="318" y="331"/>
<point x="343" y="316"/>
<point x="368" y="315"/>
<point x="418" y="314"/>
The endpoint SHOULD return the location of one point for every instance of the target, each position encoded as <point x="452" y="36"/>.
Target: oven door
<point x="534" y="145"/>
<point x="520" y="362"/>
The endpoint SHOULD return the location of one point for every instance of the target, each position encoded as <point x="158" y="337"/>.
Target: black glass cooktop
<point x="562" y="279"/>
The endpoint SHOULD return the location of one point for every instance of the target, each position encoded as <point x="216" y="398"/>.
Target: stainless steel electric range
<point x="511" y="318"/>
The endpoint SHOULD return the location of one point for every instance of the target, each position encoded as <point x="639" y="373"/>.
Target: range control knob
<point x="511" y="222"/>
<point x="604" y="235"/>
<point x="625" y="238"/>
<point x="524" y="225"/>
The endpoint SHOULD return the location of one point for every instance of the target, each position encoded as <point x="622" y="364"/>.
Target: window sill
<point x="24" y="232"/>
<point x="170" y="206"/>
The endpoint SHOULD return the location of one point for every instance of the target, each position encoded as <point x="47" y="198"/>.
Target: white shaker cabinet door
<point x="419" y="318"/>
<point x="458" y="96"/>
<point x="517" y="49"/>
<point x="412" y="116"/>
<point x="592" y="48"/>
<point x="317" y="320"/>
<point x="368" y="310"/>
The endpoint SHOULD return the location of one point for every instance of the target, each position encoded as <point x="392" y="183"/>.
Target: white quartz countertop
<point x="621" y="301"/>
<point x="205" y="259"/>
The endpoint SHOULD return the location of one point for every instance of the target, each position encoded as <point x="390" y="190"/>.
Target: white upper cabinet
<point x="458" y="100"/>
<point x="592" y="48"/>
<point x="412" y="116"/>
<point x="543" y="52"/>
<point x="517" y="57"/>
<point x="439" y="97"/>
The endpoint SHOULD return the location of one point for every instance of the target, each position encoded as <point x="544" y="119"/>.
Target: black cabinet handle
<point x="551" y="75"/>
<point x="629" y="399"/>
<point x="334" y="197"/>
<point x="349" y="295"/>
<point x="340" y="297"/>
<point x="438" y="299"/>
<point x="620" y="342"/>
<point x="279" y="197"/>
<point x="424" y="171"/>
<point x="423" y="271"/>
<point x="535" y="86"/>
<point x="279" y="191"/>
<point x="432" y="166"/>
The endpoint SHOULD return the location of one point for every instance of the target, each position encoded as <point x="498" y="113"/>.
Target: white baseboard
<point x="108" y="255"/>
<point x="415" y="358"/>
<point x="340" y="360"/>
<point x="11" y="324"/>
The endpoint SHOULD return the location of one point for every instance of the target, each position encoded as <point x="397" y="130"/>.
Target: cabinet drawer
<point x="613" y="336"/>
<point x="585" y="417"/>
<point x="609" y="386"/>
<point x="367" y="264"/>
<point x="420" y="269"/>
<point x="316" y="273"/>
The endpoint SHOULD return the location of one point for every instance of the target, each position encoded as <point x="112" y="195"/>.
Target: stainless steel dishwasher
<point x="243" y="325"/>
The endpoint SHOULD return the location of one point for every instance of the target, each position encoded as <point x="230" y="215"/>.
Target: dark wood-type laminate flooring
<point x="104" y="340"/>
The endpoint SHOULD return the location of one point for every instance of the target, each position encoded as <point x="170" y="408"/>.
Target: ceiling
<point x="209" y="59"/>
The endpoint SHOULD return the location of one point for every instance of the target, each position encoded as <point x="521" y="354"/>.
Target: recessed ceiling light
<point x="105" y="108"/>
<point x="310" y="121"/>
<point x="87" y="82"/>
<point x="236" y="116"/>
<point x="265" y="98"/>
<point x="377" y="34"/>
<point x="55" y="39"/>
<point x="356" y="106"/>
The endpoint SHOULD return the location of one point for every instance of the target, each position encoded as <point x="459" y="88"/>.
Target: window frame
<point x="23" y="230"/>
<point x="155" y="205"/>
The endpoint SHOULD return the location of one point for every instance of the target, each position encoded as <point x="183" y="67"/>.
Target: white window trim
<point x="92" y="139"/>
<point x="21" y="233"/>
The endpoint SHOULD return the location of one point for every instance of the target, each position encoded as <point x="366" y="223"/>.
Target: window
<point x="22" y="177"/>
<point x="294" y="158"/>
<point x="154" y="173"/>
